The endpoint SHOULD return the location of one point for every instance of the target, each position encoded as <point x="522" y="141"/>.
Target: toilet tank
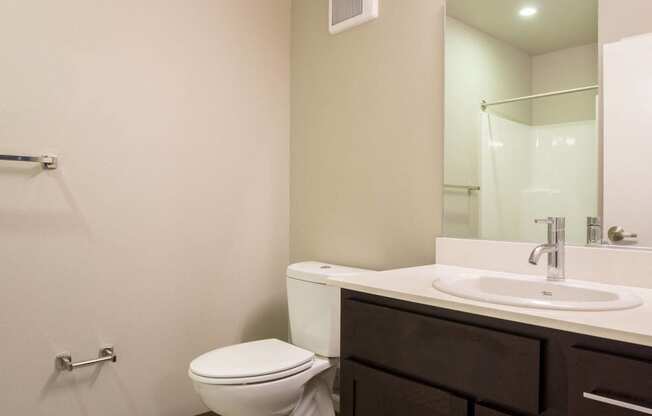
<point x="314" y="307"/>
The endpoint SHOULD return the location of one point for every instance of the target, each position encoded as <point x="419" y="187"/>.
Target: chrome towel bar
<point x="47" y="161"/>
<point x="64" y="360"/>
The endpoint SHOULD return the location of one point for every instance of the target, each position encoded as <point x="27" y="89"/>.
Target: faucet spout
<point x="555" y="248"/>
<point x="540" y="250"/>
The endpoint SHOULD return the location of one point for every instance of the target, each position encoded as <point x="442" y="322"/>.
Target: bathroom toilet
<point x="274" y="378"/>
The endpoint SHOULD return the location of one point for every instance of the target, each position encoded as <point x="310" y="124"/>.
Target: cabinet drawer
<point x="369" y="392"/>
<point x="608" y="385"/>
<point x="488" y="365"/>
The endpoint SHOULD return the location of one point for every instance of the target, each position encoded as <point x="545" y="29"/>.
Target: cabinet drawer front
<point x="491" y="366"/>
<point x="608" y="385"/>
<point x="370" y="392"/>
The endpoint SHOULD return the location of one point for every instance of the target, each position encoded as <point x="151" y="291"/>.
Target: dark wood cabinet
<point x="608" y="385"/>
<point x="402" y="358"/>
<point x="377" y="393"/>
<point x="496" y="366"/>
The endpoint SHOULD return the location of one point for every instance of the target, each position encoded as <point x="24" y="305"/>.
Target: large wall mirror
<point x="523" y="135"/>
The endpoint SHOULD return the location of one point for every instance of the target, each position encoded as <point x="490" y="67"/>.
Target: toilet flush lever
<point x="64" y="360"/>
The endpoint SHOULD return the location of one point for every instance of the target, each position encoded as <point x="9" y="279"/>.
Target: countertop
<point x="415" y="285"/>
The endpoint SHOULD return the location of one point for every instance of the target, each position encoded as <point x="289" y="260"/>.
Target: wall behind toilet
<point x="366" y="136"/>
<point x="165" y="230"/>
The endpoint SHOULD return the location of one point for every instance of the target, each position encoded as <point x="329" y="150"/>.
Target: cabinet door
<point x="609" y="385"/>
<point x="370" y="392"/>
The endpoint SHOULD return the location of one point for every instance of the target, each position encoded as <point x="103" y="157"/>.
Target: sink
<point x="538" y="293"/>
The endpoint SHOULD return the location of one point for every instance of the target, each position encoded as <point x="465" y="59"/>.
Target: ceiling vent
<point x="345" y="14"/>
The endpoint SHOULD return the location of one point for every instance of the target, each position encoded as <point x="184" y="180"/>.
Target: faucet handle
<point x="554" y="223"/>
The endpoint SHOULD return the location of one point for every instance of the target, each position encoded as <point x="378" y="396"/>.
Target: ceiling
<point x="559" y="24"/>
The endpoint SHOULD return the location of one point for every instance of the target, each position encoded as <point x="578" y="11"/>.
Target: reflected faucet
<point x="555" y="248"/>
<point x="593" y="231"/>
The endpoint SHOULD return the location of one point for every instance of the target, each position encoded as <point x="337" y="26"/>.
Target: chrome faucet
<point x="593" y="231"/>
<point x="555" y="248"/>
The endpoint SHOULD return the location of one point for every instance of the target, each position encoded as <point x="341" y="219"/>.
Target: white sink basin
<point x="538" y="293"/>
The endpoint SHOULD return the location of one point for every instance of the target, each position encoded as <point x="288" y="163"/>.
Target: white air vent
<point x="345" y="14"/>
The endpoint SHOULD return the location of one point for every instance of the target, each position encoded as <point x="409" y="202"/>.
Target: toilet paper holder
<point x="64" y="362"/>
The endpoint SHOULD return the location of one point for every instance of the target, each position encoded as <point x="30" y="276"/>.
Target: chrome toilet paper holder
<point x="64" y="361"/>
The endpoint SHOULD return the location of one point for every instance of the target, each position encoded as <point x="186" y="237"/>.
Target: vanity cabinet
<point x="406" y="359"/>
<point x="472" y="360"/>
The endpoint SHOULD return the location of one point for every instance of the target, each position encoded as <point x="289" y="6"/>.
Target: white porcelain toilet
<point x="274" y="378"/>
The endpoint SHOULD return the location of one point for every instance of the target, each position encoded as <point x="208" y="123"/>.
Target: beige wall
<point x="165" y="231"/>
<point x="622" y="18"/>
<point x="366" y="136"/>
<point x="560" y="70"/>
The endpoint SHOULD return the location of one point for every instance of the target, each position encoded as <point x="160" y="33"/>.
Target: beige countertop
<point x="415" y="285"/>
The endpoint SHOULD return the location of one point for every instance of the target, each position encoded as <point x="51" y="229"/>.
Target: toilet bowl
<point x="276" y="378"/>
<point x="264" y="378"/>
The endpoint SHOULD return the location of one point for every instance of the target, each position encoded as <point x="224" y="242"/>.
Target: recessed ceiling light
<point x="528" y="11"/>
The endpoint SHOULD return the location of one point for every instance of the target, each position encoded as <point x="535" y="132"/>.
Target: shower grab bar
<point x="467" y="188"/>
<point x="486" y="104"/>
<point x="46" y="161"/>
<point x="64" y="360"/>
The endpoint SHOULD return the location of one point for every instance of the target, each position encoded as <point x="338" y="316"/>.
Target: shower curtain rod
<point x="486" y="104"/>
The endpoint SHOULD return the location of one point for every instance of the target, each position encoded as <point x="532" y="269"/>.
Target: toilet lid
<point x="251" y="359"/>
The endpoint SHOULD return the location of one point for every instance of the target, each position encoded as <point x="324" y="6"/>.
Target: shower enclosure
<point x="526" y="170"/>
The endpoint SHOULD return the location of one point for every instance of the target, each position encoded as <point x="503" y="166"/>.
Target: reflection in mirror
<point x="521" y="138"/>
<point x="627" y="194"/>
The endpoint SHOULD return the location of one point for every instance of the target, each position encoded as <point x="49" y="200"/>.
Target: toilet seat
<point x="251" y="380"/>
<point x="249" y="363"/>
<point x="272" y="398"/>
